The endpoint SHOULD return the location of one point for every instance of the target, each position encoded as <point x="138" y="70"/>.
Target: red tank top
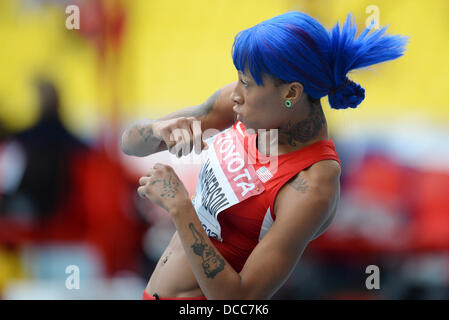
<point x="255" y="180"/>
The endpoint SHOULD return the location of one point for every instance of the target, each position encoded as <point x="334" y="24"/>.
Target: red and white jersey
<point x="237" y="186"/>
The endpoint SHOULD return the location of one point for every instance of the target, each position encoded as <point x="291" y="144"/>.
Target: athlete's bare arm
<point x="215" y="113"/>
<point x="302" y="207"/>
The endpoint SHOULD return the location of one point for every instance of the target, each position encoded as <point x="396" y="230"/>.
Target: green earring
<point x="288" y="103"/>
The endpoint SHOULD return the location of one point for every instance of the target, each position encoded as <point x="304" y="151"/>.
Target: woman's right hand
<point x="181" y="135"/>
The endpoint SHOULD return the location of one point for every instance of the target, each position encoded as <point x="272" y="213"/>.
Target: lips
<point x="236" y="109"/>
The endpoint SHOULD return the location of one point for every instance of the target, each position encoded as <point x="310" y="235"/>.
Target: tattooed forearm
<point x="299" y="184"/>
<point x="306" y="129"/>
<point x="145" y="132"/>
<point x="212" y="262"/>
<point x="170" y="188"/>
<point x="139" y="140"/>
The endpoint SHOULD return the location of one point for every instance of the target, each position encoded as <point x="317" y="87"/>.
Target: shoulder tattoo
<point x="299" y="184"/>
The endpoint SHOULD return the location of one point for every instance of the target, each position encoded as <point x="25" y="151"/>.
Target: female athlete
<point x="262" y="195"/>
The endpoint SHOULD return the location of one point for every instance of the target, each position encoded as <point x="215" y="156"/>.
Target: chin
<point x="249" y="126"/>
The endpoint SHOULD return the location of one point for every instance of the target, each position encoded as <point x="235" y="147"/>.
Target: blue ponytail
<point x="295" y="47"/>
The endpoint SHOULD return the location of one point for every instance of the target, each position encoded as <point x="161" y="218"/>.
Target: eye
<point x="244" y="83"/>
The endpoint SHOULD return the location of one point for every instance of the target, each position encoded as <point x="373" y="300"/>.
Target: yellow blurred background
<point x="176" y="53"/>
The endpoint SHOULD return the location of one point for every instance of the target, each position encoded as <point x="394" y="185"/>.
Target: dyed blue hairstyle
<point x="295" y="47"/>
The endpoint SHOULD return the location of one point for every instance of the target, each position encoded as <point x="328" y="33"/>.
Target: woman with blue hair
<point x="261" y="197"/>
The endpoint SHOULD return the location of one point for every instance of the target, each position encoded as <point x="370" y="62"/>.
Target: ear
<point x="293" y="92"/>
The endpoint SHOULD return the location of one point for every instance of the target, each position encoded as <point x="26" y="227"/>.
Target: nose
<point x="236" y="97"/>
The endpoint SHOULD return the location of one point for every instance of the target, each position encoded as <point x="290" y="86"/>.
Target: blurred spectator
<point x="46" y="149"/>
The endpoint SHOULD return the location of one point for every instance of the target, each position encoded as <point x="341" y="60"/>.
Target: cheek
<point x="263" y="103"/>
<point x="254" y="98"/>
<point x="260" y="110"/>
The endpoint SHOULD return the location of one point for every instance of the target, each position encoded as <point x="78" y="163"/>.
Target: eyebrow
<point x="244" y="76"/>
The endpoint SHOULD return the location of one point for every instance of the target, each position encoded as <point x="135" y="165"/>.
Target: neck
<point x="296" y="133"/>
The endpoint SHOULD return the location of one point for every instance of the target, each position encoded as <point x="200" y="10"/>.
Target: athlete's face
<point x="258" y="107"/>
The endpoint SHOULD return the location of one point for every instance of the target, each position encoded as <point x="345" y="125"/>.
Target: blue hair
<point x="295" y="47"/>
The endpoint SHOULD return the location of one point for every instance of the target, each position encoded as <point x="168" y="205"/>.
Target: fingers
<point x="183" y="135"/>
<point x="184" y="140"/>
<point x="152" y="172"/>
<point x="141" y="192"/>
<point x="166" y="136"/>
<point x="160" y="166"/>
<point x="187" y="140"/>
<point x="144" y="180"/>
<point x="150" y="177"/>
<point x="177" y="137"/>
<point x="198" y="143"/>
<point x="174" y="150"/>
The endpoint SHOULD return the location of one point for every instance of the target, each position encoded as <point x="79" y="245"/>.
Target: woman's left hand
<point x="163" y="186"/>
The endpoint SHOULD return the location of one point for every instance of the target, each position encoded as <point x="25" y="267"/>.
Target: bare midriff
<point x="173" y="276"/>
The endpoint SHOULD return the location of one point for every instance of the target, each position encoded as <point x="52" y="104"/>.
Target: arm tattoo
<point x="306" y="129"/>
<point x="299" y="184"/>
<point x="212" y="262"/>
<point x="145" y="132"/>
<point x="170" y="188"/>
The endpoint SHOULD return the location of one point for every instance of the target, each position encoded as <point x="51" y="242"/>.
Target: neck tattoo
<point x="306" y="129"/>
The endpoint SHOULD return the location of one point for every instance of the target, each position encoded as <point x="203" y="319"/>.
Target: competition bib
<point x="225" y="179"/>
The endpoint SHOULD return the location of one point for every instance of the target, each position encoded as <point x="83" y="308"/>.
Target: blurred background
<point x="68" y="194"/>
